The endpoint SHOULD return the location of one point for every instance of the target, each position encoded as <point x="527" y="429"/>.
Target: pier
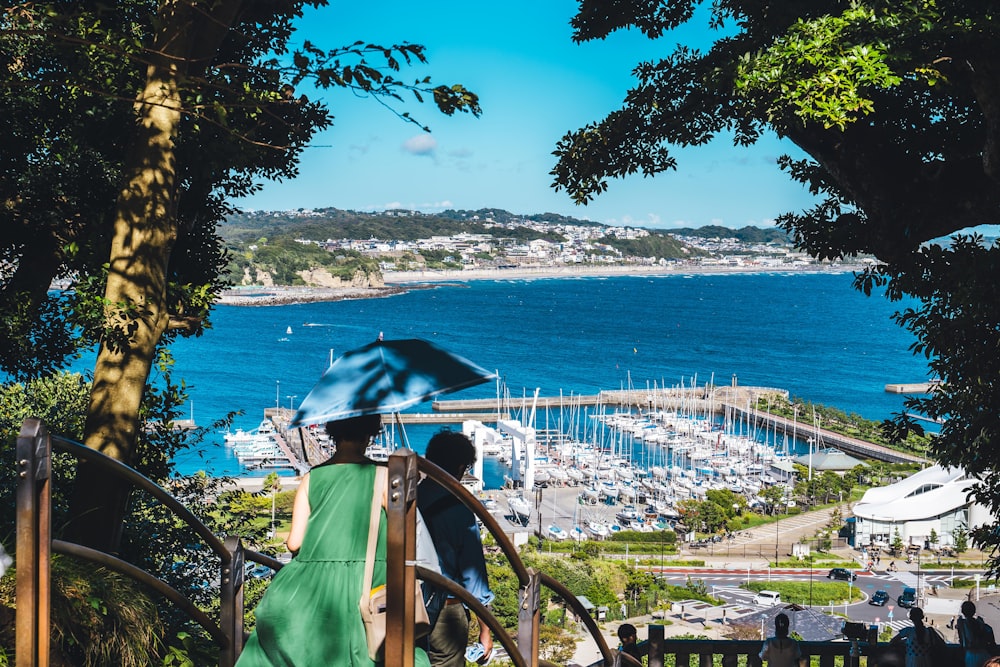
<point x="303" y="451"/>
<point x="827" y="438"/>
<point x="716" y="401"/>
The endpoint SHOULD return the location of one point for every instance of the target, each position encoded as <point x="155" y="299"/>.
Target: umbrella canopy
<point x="384" y="377"/>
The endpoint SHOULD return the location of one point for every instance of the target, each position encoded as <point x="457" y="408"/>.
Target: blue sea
<point x="809" y="333"/>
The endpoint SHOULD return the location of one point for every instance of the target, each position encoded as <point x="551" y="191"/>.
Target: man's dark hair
<point x="451" y="451"/>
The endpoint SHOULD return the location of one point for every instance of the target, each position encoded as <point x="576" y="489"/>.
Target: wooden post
<point x="528" y="618"/>
<point x="231" y="601"/>
<point x="656" y="648"/>
<point x="401" y="552"/>
<point x="34" y="545"/>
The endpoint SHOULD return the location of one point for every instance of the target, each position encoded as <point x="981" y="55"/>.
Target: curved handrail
<point x="449" y="482"/>
<point x="143" y="577"/>
<point x="484" y="614"/>
<point x="141" y="481"/>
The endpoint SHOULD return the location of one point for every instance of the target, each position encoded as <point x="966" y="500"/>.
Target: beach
<point x="397" y="282"/>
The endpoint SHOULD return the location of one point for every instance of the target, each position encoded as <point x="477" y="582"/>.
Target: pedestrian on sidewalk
<point x="629" y="654"/>
<point x="975" y="636"/>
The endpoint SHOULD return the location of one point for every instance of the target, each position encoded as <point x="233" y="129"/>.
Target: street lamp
<point x="291" y="401"/>
<point x="277" y="394"/>
<point x="777" y="522"/>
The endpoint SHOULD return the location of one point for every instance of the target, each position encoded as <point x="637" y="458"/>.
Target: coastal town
<point x="354" y="255"/>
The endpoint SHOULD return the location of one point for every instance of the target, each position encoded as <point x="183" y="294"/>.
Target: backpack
<point x="434" y="597"/>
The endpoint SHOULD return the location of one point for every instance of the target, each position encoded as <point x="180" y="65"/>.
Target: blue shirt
<point x="455" y="532"/>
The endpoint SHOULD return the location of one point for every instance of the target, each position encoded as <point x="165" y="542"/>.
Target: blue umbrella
<point x="386" y="376"/>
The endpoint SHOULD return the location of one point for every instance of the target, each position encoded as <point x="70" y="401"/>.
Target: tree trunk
<point x="136" y="314"/>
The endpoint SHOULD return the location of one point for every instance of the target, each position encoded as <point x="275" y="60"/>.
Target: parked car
<point x="879" y="598"/>
<point x="767" y="598"/>
<point x="841" y="573"/>
<point x="261" y="572"/>
<point x="908" y="598"/>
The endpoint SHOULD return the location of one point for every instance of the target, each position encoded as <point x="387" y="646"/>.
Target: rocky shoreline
<point x="284" y="295"/>
<point x="397" y="282"/>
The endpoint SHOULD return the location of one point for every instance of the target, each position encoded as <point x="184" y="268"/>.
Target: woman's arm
<point x="300" y="516"/>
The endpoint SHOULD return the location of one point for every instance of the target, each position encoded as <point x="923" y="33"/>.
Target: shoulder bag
<point x="373" y="600"/>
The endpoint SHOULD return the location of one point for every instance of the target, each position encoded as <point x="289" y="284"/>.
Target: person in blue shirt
<point x="452" y="526"/>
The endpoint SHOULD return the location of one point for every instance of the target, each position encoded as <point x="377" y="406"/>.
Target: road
<point x="730" y="586"/>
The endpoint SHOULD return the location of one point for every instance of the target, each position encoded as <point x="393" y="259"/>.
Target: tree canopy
<point x="128" y="127"/>
<point x="897" y="107"/>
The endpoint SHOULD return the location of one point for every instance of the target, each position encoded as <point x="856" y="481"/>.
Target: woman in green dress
<point x="309" y="616"/>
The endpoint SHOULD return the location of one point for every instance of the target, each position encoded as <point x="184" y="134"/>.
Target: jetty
<point x="303" y="451"/>
<point x="735" y="400"/>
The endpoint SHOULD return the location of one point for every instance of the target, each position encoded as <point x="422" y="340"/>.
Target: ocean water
<point x="809" y="333"/>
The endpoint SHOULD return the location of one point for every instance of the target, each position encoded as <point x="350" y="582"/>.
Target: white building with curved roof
<point x="935" y="499"/>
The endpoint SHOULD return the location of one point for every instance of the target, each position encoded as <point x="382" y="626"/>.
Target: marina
<point x="586" y="467"/>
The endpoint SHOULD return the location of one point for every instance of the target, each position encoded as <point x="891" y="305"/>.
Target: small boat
<point x="489" y="504"/>
<point x="558" y="475"/>
<point x="597" y="529"/>
<point x="520" y="508"/>
<point x="627" y="513"/>
<point x="288" y="331"/>
<point x="556" y="533"/>
<point x="590" y="495"/>
<point x="377" y="452"/>
<point x="577" y="534"/>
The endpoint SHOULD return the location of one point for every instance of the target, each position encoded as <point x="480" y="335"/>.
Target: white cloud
<point x="421" y="144"/>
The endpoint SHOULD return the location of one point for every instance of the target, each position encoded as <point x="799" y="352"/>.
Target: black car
<point x="908" y="598"/>
<point x="879" y="598"/>
<point x="841" y="573"/>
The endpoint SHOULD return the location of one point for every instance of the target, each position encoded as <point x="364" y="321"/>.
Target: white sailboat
<point x="520" y="508"/>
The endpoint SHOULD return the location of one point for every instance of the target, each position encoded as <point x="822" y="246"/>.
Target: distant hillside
<point x="744" y="235"/>
<point x="333" y="223"/>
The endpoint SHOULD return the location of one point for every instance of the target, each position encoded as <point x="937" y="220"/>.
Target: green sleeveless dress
<point x="309" y="615"/>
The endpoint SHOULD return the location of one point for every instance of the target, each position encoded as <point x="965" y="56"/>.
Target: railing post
<point x="400" y="559"/>
<point x="656" y="649"/>
<point x="231" y="601"/>
<point x="528" y="618"/>
<point x="34" y="545"/>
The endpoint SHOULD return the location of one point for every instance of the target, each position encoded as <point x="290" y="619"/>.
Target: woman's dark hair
<point x="355" y="429"/>
<point x="920" y="630"/>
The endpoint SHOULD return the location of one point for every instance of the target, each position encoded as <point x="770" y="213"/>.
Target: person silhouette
<point x="975" y="636"/>
<point x="781" y="650"/>
<point x="919" y="641"/>
<point x="629" y="638"/>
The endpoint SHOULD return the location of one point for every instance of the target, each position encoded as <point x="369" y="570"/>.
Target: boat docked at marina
<point x="240" y="437"/>
<point x="520" y="509"/>
<point x="597" y="529"/>
<point x="556" y="533"/>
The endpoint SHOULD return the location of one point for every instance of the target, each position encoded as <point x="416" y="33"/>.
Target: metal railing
<point x="35" y="545"/>
<point x="731" y="653"/>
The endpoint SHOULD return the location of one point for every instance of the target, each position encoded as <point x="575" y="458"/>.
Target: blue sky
<point x="534" y="85"/>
